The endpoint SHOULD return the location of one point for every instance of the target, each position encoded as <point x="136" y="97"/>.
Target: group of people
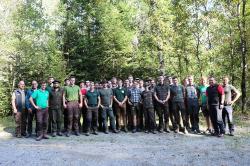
<point x="129" y="105"/>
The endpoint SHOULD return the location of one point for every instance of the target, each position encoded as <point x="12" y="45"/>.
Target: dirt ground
<point x="128" y="149"/>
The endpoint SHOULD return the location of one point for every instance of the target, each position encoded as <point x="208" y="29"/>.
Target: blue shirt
<point x="28" y="103"/>
<point x="134" y="95"/>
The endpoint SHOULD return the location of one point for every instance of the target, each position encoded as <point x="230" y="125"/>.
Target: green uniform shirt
<point x="203" y="96"/>
<point x="72" y="93"/>
<point x="120" y="93"/>
<point x="105" y="95"/>
<point x="41" y="98"/>
<point x="92" y="98"/>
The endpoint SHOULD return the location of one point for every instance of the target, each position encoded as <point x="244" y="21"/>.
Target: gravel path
<point x="127" y="149"/>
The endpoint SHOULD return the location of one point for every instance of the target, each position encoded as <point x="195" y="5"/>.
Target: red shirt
<point x="83" y="91"/>
<point x="220" y="90"/>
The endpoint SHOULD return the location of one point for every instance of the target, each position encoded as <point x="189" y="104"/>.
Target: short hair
<point x="43" y="82"/>
<point x="118" y="80"/>
<point x="174" y="77"/>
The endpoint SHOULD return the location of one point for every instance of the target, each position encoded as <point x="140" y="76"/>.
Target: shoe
<point x="77" y="133"/>
<point x="24" y="134"/>
<point x="87" y="134"/>
<point x="161" y="130"/>
<point x="153" y="132"/>
<point x="19" y="136"/>
<point x="39" y="138"/>
<point x="231" y="133"/>
<point x="176" y="130"/>
<point x="115" y="131"/>
<point x="134" y="131"/>
<point x="167" y="130"/>
<point x="185" y="131"/>
<point x="59" y="134"/>
<point x="138" y="130"/>
<point x="106" y="132"/>
<point x="125" y="130"/>
<point x="198" y="131"/>
<point x="146" y="131"/>
<point x="220" y="135"/>
<point x="67" y="134"/>
<point x="45" y="136"/>
<point x="28" y="135"/>
<point x="54" y="134"/>
<point x="95" y="133"/>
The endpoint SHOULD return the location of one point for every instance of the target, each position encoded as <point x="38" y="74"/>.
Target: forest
<point x="97" y="39"/>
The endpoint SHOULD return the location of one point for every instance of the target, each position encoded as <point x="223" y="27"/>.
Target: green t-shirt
<point x="203" y="96"/>
<point x="72" y="93"/>
<point x="41" y="98"/>
<point x="120" y="93"/>
<point x="92" y="98"/>
<point x="106" y="95"/>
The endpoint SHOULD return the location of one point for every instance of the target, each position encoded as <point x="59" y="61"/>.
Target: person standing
<point x="19" y="110"/>
<point x="92" y="102"/>
<point x="215" y="101"/>
<point x="178" y="96"/>
<point x="120" y="98"/>
<point x="72" y="101"/>
<point x="56" y="107"/>
<point x="162" y="95"/>
<point x="65" y="112"/>
<point x="49" y="88"/>
<point x="82" y="126"/>
<point x="192" y="104"/>
<point x="134" y="98"/>
<point x="231" y="96"/>
<point x="106" y="96"/>
<point x="148" y="109"/>
<point x="203" y="103"/>
<point x="31" y="109"/>
<point x="40" y="101"/>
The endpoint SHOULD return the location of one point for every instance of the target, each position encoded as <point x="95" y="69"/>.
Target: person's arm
<point x="13" y="103"/>
<point x="238" y="94"/>
<point x="156" y="97"/>
<point x="33" y="103"/>
<point x="99" y="101"/>
<point x="114" y="97"/>
<point x="168" y="96"/>
<point x="86" y="102"/>
<point x="64" y="100"/>
<point x="111" y="101"/>
<point x="184" y="92"/>
<point x="221" y="92"/>
<point x="80" y="96"/>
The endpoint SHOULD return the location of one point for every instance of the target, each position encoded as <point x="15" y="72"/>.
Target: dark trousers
<point x="227" y="115"/>
<point x="65" y="119"/>
<point x="121" y="115"/>
<point x="106" y="113"/>
<point x="92" y="118"/>
<point x="135" y="112"/>
<point x="21" y="122"/>
<point x="49" y="121"/>
<point x="216" y="119"/>
<point x="82" y="126"/>
<point x="163" y="114"/>
<point x="73" y="115"/>
<point x="31" y="116"/>
<point x="193" y="112"/>
<point x="42" y="121"/>
<point x="149" y="116"/>
<point x="179" y="107"/>
<point x="56" y="120"/>
<point x="171" y="113"/>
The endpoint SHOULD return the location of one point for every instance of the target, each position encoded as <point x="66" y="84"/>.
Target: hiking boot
<point x="134" y="131"/>
<point x="166" y="129"/>
<point x="220" y="135"/>
<point x="231" y="133"/>
<point x="77" y="133"/>
<point x="161" y="130"/>
<point x="59" y="134"/>
<point x="106" y="132"/>
<point x="125" y="129"/>
<point x="198" y="131"/>
<point x="176" y="130"/>
<point x="54" y="134"/>
<point x="67" y="134"/>
<point x="19" y="136"/>
<point x="115" y="131"/>
<point x="146" y="131"/>
<point x="95" y="132"/>
<point x="39" y="138"/>
<point x="153" y="131"/>
<point x="45" y="136"/>
<point x="28" y="135"/>
<point x="87" y="134"/>
<point x="185" y="131"/>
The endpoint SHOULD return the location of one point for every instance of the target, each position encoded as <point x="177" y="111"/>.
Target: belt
<point x="92" y="105"/>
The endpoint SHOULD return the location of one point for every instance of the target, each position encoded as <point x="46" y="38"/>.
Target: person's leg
<point x="30" y="119"/>
<point x="171" y="114"/>
<point x="151" y="120"/>
<point x="124" y="116"/>
<point x="24" y="118"/>
<point x="45" y="115"/>
<point x="146" y="114"/>
<point x="65" y="119"/>
<point x="196" y="116"/>
<point x="50" y="121"/>
<point x="213" y="115"/>
<point x="70" y="118"/>
<point x="95" y="119"/>
<point x="88" y="120"/>
<point x="40" y="124"/>
<point x="159" y="112"/>
<point x="133" y="117"/>
<point x="230" y="119"/>
<point x="54" y="121"/>
<point x="220" y="121"/>
<point x="166" y="118"/>
<point x="59" y="121"/>
<point x="76" y="117"/>
<point x="118" y="116"/>
<point x="111" y="116"/>
<point x="104" y="119"/>
<point x="183" y="116"/>
<point x="18" y="121"/>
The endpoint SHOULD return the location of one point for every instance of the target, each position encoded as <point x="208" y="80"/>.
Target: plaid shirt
<point x="134" y="95"/>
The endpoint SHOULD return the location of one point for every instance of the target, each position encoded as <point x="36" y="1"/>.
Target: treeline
<point x="96" y="39"/>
